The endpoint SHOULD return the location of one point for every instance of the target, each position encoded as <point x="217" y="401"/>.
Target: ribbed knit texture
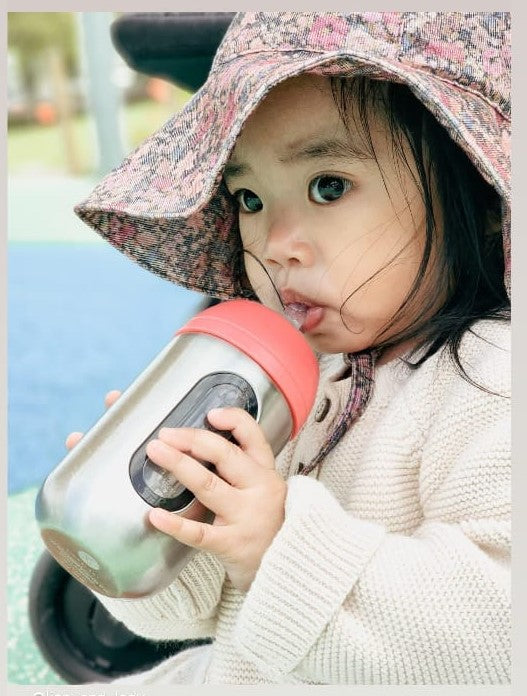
<point x="361" y="370"/>
<point x="393" y="566"/>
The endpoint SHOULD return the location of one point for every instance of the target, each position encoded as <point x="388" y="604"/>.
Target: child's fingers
<point x="111" y="397"/>
<point x="190" y="532"/>
<point x="109" y="400"/>
<point x="73" y="439"/>
<point x="245" y="431"/>
<point x="231" y="463"/>
<point x="208" y="487"/>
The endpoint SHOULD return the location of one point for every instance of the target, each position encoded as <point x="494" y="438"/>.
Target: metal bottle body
<point x="92" y="519"/>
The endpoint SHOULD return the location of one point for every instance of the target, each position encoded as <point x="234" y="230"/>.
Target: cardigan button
<point x="300" y="468"/>
<point x="322" y="410"/>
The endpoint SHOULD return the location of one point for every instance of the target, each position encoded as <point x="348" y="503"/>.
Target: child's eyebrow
<point x="305" y="149"/>
<point x="234" y="169"/>
<point x="337" y="148"/>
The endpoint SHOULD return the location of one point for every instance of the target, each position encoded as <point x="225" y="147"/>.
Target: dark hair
<point x="471" y="261"/>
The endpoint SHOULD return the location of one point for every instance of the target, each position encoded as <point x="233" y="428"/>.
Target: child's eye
<point x="328" y="188"/>
<point x="248" y="201"/>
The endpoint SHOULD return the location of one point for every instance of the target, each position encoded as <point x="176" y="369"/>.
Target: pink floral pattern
<point x="165" y="206"/>
<point x="328" y="32"/>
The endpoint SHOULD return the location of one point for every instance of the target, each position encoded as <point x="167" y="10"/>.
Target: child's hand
<point x="110" y="398"/>
<point x="246" y="493"/>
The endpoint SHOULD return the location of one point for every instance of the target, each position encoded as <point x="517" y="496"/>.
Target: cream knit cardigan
<point x="393" y="567"/>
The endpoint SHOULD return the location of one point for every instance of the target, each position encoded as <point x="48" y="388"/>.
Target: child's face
<point x="340" y="236"/>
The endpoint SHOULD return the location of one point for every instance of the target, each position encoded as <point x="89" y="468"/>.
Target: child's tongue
<point x="296" y="312"/>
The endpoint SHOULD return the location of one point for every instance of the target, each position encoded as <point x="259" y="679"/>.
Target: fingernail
<point x="161" y="516"/>
<point x="154" y="444"/>
<point x="164" y="432"/>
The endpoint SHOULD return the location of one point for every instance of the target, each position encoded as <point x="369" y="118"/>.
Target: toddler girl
<point x="352" y="171"/>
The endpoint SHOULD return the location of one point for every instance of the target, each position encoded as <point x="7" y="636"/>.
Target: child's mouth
<point x="304" y="317"/>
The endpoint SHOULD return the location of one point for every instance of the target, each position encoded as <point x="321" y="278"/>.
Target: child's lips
<point x="305" y="314"/>
<point x="305" y="317"/>
<point x="313" y="318"/>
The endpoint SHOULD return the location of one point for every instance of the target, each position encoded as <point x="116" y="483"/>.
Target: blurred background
<point x="82" y="319"/>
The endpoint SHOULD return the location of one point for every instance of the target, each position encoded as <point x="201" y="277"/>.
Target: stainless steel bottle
<point x="93" y="508"/>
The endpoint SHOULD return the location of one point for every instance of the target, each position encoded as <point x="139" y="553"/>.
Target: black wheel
<point x="78" y="637"/>
<point x="176" y="46"/>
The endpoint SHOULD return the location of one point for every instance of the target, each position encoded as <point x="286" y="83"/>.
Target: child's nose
<point x="288" y="243"/>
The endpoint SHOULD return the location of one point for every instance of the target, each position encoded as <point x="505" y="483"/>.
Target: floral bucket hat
<point x="166" y="206"/>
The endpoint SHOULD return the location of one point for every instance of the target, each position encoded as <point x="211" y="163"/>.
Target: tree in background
<point x="30" y="35"/>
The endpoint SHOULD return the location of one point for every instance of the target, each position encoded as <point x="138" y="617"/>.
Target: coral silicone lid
<point x="272" y="342"/>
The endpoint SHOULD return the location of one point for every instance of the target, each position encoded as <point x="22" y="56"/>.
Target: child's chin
<point x="323" y="343"/>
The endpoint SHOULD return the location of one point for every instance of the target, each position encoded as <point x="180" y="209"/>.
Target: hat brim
<point x="166" y="208"/>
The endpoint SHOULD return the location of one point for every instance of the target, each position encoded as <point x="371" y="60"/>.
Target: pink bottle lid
<point x="272" y="342"/>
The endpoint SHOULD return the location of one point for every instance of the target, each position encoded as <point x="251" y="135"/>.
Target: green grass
<point x="25" y="663"/>
<point x="40" y="149"/>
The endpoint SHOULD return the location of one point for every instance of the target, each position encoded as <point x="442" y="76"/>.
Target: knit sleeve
<point x="185" y="609"/>
<point x="339" y="599"/>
